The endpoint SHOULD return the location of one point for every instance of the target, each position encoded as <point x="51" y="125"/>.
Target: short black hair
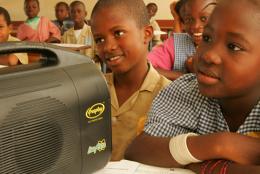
<point x="152" y="4"/>
<point x="64" y="4"/>
<point x="6" y="15"/>
<point x="135" y="9"/>
<point x="37" y="1"/>
<point x="77" y="3"/>
<point x="180" y="4"/>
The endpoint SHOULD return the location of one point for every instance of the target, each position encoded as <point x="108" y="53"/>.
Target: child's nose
<point x="110" y="44"/>
<point x="197" y="25"/>
<point x="211" y="56"/>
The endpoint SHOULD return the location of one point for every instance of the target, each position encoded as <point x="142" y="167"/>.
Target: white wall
<point x="15" y="8"/>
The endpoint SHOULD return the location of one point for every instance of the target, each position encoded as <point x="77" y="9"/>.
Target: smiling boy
<point x="122" y="32"/>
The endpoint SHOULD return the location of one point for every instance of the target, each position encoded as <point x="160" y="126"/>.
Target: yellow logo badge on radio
<point x="95" y="111"/>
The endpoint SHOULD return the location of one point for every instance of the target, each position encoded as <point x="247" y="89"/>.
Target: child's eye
<point x="188" y="20"/>
<point x="99" y="40"/>
<point x="234" y="47"/>
<point x="203" y="19"/>
<point x="206" y="38"/>
<point x="119" y="33"/>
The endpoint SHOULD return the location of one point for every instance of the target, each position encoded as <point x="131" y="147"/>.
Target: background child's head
<point x="5" y="24"/>
<point x="62" y="11"/>
<point x="31" y="8"/>
<point x="78" y="12"/>
<point x="179" y="9"/>
<point x="228" y="59"/>
<point x="196" y="14"/>
<point x="152" y="9"/>
<point x="122" y="31"/>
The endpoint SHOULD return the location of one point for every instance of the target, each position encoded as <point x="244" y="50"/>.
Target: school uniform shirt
<point x="180" y="109"/>
<point x="172" y="54"/>
<point x="85" y="37"/>
<point x="45" y="29"/>
<point x="64" y="25"/>
<point x="125" y="118"/>
<point x="22" y="57"/>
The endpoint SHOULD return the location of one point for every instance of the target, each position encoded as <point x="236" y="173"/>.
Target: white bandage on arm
<point x="179" y="149"/>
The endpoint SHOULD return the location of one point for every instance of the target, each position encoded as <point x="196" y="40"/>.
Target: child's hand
<point x="140" y="124"/>
<point x="241" y="149"/>
<point x="52" y="40"/>
<point x="235" y="147"/>
<point x="12" y="59"/>
<point x="189" y="64"/>
<point x="80" y="48"/>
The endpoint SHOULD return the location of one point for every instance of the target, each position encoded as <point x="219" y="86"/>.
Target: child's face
<point x="119" y="41"/>
<point x="228" y="59"/>
<point x="196" y="14"/>
<point x="4" y="29"/>
<point x="61" y="12"/>
<point x="78" y="13"/>
<point x="152" y="9"/>
<point x="31" y="9"/>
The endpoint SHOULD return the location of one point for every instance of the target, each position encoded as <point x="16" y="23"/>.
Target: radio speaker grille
<point x="32" y="137"/>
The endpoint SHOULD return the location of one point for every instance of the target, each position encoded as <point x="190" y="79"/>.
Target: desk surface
<point x="131" y="167"/>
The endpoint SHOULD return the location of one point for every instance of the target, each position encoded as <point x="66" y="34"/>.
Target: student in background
<point x="133" y="83"/>
<point x="152" y="9"/>
<point x="5" y="30"/>
<point x="171" y="58"/>
<point x="35" y="28"/>
<point x="81" y="32"/>
<point x="177" y="8"/>
<point x="215" y="114"/>
<point x="62" y="13"/>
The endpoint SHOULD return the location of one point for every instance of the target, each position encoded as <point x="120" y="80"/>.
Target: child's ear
<point x="148" y="34"/>
<point x="10" y="27"/>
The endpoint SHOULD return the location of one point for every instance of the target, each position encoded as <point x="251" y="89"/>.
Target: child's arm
<point x="189" y="64"/>
<point x="55" y="35"/>
<point x="225" y="145"/>
<point x="80" y="48"/>
<point x="155" y="150"/>
<point x="8" y="59"/>
<point x="169" y="74"/>
<point x="52" y="40"/>
<point x="232" y="168"/>
<point x="162" y="59"/>
<point x="151" y="150"/>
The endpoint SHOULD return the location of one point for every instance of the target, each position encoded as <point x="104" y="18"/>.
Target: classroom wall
<point x="15" y="8"/>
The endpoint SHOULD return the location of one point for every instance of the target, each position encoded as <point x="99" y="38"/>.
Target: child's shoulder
<point x="109" y="78"/>
<point x="186" y="80"/>
<point x="86" y="30"/>
<point x="183" y="38"/>
<point x="69" y="32"/>
<point x="155" y="80"/>
<point x="86" y="27"/>
<point x="44" y="19"/>
<point x="185" y="86"/>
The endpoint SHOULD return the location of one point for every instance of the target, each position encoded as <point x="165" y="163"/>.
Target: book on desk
<point x="132" y="167"/>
